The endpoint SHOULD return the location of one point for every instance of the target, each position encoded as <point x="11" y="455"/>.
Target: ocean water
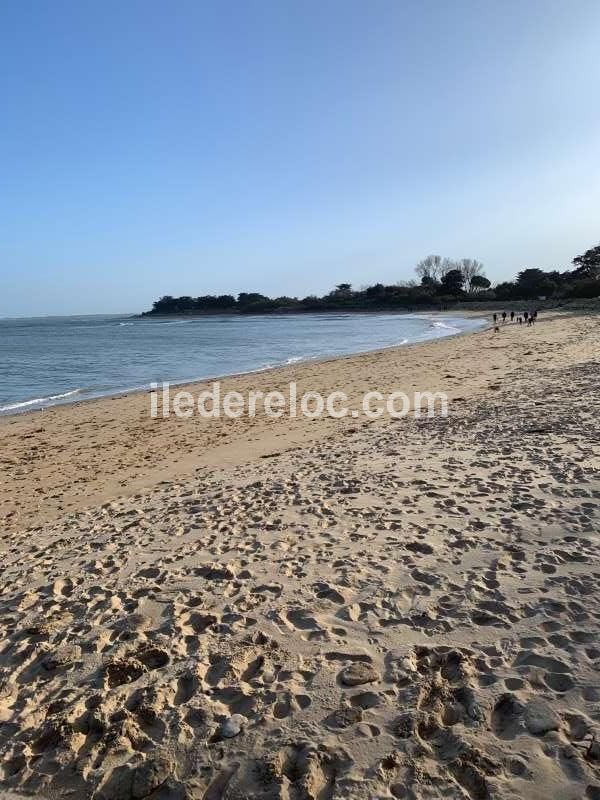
<point x="46" y="361"/>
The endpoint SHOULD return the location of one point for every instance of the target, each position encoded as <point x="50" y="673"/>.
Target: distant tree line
<point x="583" y="281"/>
<point x="441" y="281"/>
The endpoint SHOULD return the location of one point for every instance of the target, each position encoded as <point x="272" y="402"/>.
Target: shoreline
<point x="15" y="412"/>
<point x="90" y="452"/>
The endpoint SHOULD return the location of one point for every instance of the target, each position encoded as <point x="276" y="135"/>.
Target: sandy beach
<point x="313" y="609"/>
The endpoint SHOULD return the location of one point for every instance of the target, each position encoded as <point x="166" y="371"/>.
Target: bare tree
<point x="409" y="284"/>
<point x="470" y="267"/>
<point x="429" y="268"/>
<point x="433" y="268"/>
<point x="447" y="265"/>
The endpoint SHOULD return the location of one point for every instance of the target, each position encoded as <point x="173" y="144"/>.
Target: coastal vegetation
<point x="439" y="282"/>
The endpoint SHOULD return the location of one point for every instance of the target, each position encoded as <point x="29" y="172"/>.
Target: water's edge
<point x="74" y="398"/>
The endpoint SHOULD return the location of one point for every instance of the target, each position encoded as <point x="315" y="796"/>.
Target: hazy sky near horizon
<point x="151" y="148"/>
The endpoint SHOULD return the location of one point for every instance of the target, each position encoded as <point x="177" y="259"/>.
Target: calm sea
<point x="51" y="360"/>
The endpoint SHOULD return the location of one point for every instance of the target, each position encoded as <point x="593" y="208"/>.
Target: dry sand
<point x="313" y="609"/>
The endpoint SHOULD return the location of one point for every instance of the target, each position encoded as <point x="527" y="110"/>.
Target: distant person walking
<point x="495" y="318"/>
<point x="512" y="316"/>
<point x="504" y="316"/>
<point x="525" y="315"/>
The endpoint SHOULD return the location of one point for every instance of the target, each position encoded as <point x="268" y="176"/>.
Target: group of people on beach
<point x="527" y="317"/>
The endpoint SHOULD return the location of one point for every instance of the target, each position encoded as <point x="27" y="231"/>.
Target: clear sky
<point x="151" y="148"/>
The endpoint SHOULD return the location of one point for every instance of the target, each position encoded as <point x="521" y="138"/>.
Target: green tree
<point x="588" y="264"/>
<point x="534" y="282"/>
<point x="249" y="298"/>
<point x="342" y="291"/>
<point x="453" y="281"/>
<point x="429" y="282"/>
<point x="479" y="282"/>
<point x="507" y="290"/>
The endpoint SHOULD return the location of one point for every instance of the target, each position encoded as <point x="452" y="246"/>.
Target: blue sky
<point x="151" y="148"/>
